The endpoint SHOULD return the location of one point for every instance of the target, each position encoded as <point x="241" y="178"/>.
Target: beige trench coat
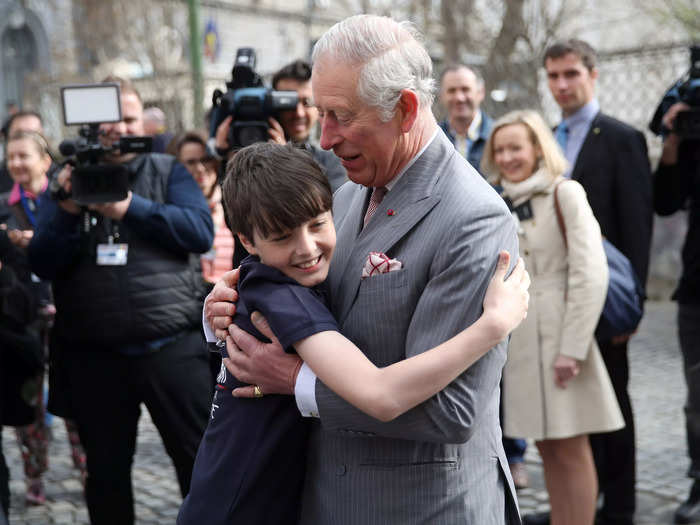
<point x="566" y="298"/>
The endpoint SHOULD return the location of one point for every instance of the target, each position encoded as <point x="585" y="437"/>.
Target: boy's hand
<point x="219" y="306"/>
<point x="265" y="365"/>
<point x="506" y="300"/>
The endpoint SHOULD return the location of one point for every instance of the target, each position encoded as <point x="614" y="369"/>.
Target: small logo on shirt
<point x="221" y="378"/>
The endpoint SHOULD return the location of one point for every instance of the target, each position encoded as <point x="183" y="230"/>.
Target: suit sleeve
<point x="451" y="301"/>
<point x="634" y="203"/>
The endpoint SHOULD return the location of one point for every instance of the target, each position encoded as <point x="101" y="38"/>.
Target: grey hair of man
<point x="391" y="56"/>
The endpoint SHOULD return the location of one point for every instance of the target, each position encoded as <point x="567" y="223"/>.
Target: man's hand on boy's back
<point x="219" y="306"/>
<point x="265" y="365"/>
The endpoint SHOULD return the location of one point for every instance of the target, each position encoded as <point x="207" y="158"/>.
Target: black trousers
<point x="614" y="452"/>
<point x="105" y="392"/>
<point x="689" y="336"/>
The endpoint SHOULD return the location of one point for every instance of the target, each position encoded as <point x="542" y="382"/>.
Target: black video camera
<point x="686" y="89"/>
<point x="248" y="102"/>
<point x="94" y="181"/>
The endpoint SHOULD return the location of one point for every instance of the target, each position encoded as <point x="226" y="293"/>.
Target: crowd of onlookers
<point x="110" y="295"/>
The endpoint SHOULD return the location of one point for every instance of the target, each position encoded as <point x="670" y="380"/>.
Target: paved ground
<point x="657" y="389"/>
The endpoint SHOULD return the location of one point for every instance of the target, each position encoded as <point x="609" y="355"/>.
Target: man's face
<point x="28" y="123"/>
<point x="461" y="94"/>
<point x="297" y="123"/>
<point x="371" y="151"/>
<point x="570" y="81"/>
<point x="131" y="123"/>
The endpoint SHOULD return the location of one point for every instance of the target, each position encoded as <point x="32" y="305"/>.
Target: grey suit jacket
<point x="442" y="462"/>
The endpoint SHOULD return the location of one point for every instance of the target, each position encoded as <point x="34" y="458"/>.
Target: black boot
<point x="689" y="511"/>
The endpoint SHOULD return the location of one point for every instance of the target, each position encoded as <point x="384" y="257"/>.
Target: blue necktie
<point x="562" y="135"/>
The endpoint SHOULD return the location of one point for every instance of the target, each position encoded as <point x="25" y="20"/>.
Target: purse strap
<point x="560" y="217"/>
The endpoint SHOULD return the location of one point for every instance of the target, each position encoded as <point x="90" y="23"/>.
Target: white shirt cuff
<point x="208" y="332"/>
<point x="305" y="392"/>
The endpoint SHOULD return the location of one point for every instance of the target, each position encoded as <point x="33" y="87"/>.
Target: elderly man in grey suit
<point x="415" y="199"/>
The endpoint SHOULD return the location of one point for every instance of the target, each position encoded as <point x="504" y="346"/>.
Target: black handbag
<point x="624" y="303"/>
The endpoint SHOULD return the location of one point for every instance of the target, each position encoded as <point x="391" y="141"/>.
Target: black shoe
<point x="539" y="518"/>
<point x="689" y="511"/>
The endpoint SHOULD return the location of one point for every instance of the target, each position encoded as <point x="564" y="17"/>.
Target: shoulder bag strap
<point x="560" y="217"/>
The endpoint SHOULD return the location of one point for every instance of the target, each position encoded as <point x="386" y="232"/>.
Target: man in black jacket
<point x="676" y="187"/>
<point x="609" y="159"/>
<point x="128" y="311"/>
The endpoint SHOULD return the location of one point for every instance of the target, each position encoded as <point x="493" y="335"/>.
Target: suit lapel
<point x="588" y="148"/>
<point x="348" y="228"/>
<point x="402" y="208"/>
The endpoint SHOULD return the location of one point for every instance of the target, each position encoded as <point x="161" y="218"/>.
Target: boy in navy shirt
<point x="250" y="463"/>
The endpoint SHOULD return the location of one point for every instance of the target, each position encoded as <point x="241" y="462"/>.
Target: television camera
<point x="686" y="89"/>
<point x="248" y="102"/>
<point x="94" y="181"/>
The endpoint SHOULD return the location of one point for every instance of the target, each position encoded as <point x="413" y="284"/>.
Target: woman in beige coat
<point x="555" y="386"/>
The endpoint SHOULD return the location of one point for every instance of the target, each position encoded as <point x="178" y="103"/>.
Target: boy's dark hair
<point x="583" y="50"/>
<point x="298" y="70"/>
<point x="270" y="188"/>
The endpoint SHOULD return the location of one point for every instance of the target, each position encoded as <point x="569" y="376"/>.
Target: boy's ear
<point x="249" y="246"/>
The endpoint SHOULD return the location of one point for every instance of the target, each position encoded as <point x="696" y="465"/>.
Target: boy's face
<point x="303" y="254"/>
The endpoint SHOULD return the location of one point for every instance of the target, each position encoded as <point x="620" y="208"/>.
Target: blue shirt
<point x="293" y="311"/>
<point x="578" y="123"/>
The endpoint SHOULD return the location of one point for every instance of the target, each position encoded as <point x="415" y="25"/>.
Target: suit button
<point x="342" y="469"/>
<point x="526" y="252"/>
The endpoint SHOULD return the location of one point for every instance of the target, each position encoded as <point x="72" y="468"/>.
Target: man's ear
<point x="408" y="106"/>
<point x="247" y="244"/>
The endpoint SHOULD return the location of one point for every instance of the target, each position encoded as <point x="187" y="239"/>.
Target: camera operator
<point x="126" y="330"/>
<point x="295" y="125"/>
<point x="676" y="187"/>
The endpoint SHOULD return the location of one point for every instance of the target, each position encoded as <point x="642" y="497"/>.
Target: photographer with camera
<point x="295" y="125"/>
<point x="677" y="187"/>
<point x="128" y="308"/>
<point x="291" y="124"/>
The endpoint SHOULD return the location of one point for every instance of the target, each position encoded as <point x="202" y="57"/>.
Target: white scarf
<point x="521" y="191"/>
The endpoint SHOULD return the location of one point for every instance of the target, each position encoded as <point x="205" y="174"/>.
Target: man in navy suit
<point x="609" y="159"/>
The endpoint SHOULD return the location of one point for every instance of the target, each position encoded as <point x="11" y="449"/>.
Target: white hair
<point x="391" y="56"/>
<point x="155" y="115"/>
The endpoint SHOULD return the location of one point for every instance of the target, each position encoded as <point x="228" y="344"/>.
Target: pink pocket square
<point x="377" y="263"/>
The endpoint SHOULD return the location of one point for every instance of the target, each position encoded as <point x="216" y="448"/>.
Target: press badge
<point x="112" y="254"/>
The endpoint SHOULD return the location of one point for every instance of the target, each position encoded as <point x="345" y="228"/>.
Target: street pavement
<point x="658" y="393"/>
